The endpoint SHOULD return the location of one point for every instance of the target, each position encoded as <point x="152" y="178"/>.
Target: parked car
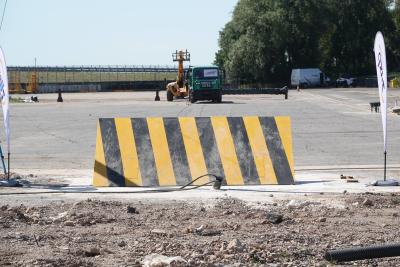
<point x="309" y="78"/>
<point x="346" y="81"/>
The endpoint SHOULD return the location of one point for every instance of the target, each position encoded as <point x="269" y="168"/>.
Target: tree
<point x="354" y="25"/>
<point x="267" y="38"/>
<point x="394" y="37"/>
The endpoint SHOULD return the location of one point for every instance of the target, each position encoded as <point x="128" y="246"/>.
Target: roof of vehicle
<point x="204" y="67"/>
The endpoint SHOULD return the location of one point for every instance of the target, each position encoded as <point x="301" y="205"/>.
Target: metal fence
<point x="89" y="74"/>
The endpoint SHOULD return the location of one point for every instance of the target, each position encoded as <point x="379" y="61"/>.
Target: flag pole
<point x="8" y="166"/>
<point x="384" y="169"/>
<point x="2" y="161"/>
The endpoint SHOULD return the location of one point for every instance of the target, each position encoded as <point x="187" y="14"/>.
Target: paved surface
<point x="334" y="130"/>
<point x="330" y="126"/>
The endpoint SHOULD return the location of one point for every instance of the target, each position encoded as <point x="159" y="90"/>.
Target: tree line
<point x="266" y="39"/>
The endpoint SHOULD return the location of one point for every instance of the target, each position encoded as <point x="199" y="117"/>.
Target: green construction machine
<point x="199" y="83"/>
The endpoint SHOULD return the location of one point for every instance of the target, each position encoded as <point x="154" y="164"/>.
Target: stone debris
<point x="294" y="203"/>
<point x="122" y="244"/>
<point x="161" y="232"/>
<point x="274" y="218"/>
<point x="200" y="229"/>
<point x="235" y="245"/>
<point x="204" y="231"/>
<point x="367" y="202"/>
<point x="59" y="217"/>
<point x="209" y="232"/>
<point x="103" y="233"/>
<point x="157" y="260"/>
<point x="92" y="252"/>
<point x="69" y="223"/>
<point x="132" y="210"/>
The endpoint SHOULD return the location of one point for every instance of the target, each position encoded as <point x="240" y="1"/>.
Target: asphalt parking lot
<point x="331" y="127"/>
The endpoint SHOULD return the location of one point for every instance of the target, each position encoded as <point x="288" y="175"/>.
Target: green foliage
<point x="394" y="37"/>
<point x="267" y="38"/>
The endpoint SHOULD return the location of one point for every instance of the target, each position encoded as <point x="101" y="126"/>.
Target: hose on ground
<point x="189" y="186"/>
<point x="363" y="253"/>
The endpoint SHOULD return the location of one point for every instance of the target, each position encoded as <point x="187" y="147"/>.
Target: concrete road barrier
<point x="175" y="151"/>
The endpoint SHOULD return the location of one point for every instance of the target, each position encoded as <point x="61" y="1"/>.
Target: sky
<point x="111" y="32"/>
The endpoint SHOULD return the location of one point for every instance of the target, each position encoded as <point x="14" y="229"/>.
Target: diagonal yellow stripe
<point x="100" y="170"/>
<point x="284" y="128"/>
<point x="162" y="157"/>
<point x="260" y="152"/>
<point x="127" y="147"/>
<point x="227" y="151"/>
<point x="194" y="152"/>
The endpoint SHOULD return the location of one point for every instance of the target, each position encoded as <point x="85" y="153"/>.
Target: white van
<point x="308" y="78"/>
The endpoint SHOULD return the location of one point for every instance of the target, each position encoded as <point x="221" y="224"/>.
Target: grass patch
<point x="18" y="99"/>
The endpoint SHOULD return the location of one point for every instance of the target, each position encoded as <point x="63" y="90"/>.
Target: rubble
<point x="157" y="260"/>
<point x="92" y="252"/>
<point x="69" y="223"/>
<point x="301" y="203"/>
<point x="274" y="218"/>
<point x="367" y="202"/>
<point x="235" y="245"/>
<point x="132" y="210"/>
<point x="103" y="233"/>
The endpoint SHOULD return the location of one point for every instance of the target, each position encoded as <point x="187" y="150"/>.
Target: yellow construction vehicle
<point x="178" y="89"/>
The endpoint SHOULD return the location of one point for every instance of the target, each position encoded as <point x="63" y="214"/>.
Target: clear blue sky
<point x="111" y="32"/>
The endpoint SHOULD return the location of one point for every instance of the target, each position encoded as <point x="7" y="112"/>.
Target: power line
<point x="2" y="17"/>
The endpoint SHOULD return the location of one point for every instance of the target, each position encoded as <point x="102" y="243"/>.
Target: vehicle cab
<point x="204" y="83"/>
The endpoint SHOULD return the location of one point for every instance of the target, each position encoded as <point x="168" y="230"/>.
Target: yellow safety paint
<point x="162" y="157"/>
<point x="284" y="127"/>
<point x="194" y="151"/>
<point x="100" y="170"/>
<point x="227" y="151"/>
<point x="127" y="147"/>
<point x="260" y="152"/>
<point x="197" y="163"/>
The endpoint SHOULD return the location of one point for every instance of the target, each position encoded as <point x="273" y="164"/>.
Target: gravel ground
<point x="225" y="231"/>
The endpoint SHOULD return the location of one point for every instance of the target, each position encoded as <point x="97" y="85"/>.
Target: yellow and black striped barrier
<point x="175" y="151"/>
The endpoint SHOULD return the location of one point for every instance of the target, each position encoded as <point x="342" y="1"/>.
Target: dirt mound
<point x="225" y="231"/>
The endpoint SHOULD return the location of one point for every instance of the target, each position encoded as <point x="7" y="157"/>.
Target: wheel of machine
<point x="219" y="98"/>
<point x="170" y="96"/>
<point x="191" y="97"/>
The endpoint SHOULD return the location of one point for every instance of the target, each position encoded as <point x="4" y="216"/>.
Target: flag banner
<point x="381" y="73"/>
<point x="4" y="96"/>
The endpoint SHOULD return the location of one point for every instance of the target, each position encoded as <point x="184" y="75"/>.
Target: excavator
<point x="178" y="89"/>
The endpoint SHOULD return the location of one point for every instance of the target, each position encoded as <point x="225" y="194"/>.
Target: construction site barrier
<point x="175" y="151"/>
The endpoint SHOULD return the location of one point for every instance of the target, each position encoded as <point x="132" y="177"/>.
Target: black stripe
<point x="112" y="154"/>
<point x="243" y="150"/>
<point x="177" y="151"/>
<point x="144" y="151"/>
<point x="209" y="146"/>
<point x="276" y="151"/>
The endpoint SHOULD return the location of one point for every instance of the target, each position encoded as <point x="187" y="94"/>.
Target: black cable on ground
<point x="218" y="180"/>
<point x="363" y="253"/>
